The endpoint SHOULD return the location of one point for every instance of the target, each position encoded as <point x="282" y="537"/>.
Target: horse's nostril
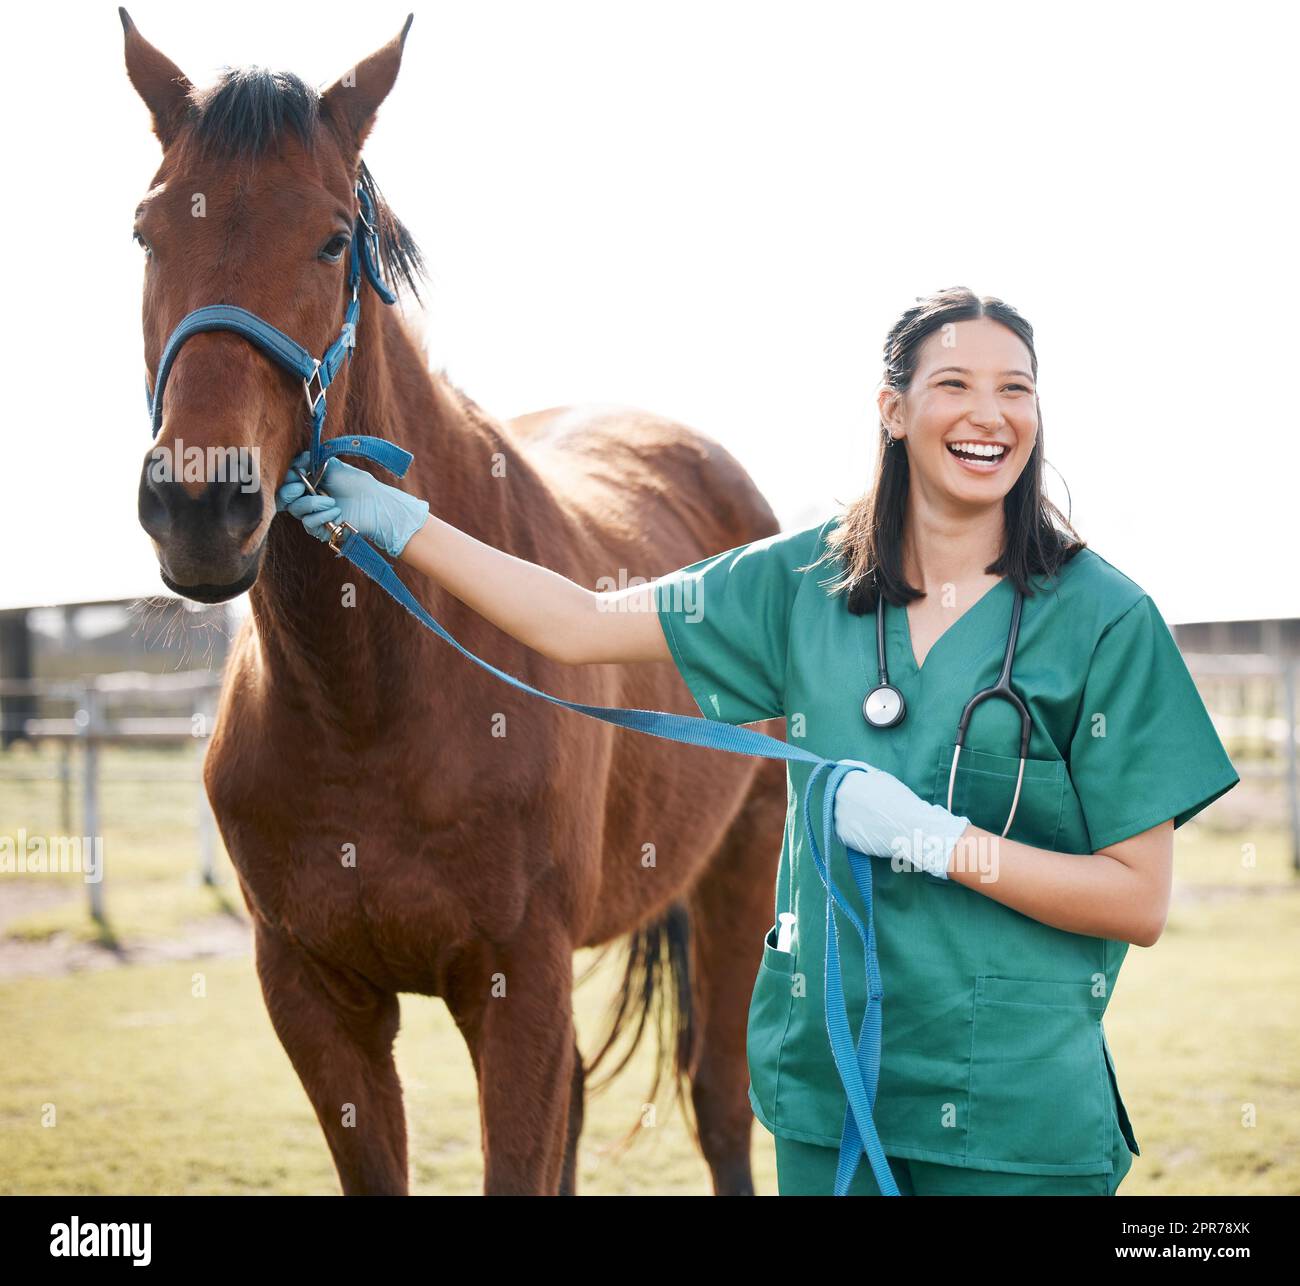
<point x="155" y="515"/>
<point x="243" y="512"/>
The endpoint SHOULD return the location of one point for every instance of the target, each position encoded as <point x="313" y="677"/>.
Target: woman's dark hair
<point x="868" y="539"/>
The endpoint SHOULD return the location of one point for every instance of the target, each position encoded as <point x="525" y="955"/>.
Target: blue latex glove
<point x="380" y="513"/>
<point x="877" y="814"/>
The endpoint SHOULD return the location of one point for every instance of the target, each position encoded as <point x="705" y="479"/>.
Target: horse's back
<point x="647" y="495"/>
<point x="642" y="484"/>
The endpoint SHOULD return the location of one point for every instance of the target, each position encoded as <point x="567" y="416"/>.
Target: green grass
<point x="158" y="1090"/>
<point x="1203" y="1025"/>
<point x="152" y="909"/>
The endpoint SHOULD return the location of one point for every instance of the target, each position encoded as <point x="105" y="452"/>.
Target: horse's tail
<point x="656" y="988"/>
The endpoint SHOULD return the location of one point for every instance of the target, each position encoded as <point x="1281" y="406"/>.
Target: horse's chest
<point x="361" y="875"/>
<point x="391" y="903"/>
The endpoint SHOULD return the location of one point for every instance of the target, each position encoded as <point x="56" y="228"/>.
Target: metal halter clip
<point x="338" y="530"/>
<point x="313" y="402"/>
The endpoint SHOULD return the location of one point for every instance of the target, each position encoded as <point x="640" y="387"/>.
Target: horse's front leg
<point x="338" y="1031"/>
<point x="525" y="1054"/>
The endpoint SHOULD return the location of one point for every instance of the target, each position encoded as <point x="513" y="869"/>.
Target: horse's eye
<point x="332" y="250"/>
<point x="140" y="241"/>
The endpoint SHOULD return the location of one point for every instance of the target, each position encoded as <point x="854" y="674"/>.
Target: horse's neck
<point x="393" y="395"/>
<point x="355" y="661"/>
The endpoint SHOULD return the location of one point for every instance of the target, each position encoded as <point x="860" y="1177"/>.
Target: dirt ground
<point x="65" y="953"/>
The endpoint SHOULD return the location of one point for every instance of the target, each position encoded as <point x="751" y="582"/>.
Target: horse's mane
<point x="249" y="111"/>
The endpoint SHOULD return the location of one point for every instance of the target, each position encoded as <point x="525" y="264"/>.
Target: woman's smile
<point x="979" y="457"/>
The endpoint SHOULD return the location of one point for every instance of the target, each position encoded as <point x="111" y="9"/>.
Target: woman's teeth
<point x="982" y="456"/>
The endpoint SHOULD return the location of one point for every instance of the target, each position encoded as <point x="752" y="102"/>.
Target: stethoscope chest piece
<point x="883" y="706"/>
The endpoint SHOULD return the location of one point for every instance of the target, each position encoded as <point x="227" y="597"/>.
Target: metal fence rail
<point x="94" y="721"/>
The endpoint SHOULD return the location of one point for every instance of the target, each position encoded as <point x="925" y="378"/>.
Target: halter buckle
<point x="314" y="402"/>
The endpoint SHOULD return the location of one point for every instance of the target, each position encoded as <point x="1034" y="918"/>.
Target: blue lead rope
<point x="859" y="1067"/>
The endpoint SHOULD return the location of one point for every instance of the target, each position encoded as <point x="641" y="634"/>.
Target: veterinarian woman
<point x="998" y="956"/>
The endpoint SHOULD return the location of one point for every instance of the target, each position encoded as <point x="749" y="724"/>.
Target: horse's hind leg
<point x="731" y="910"/>
<point x="338" y="1031"/>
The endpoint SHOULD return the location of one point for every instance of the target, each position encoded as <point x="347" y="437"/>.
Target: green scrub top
<point x="994" y="1056"/>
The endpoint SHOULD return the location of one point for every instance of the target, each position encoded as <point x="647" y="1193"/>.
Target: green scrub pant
<point x="808" y="1170"/>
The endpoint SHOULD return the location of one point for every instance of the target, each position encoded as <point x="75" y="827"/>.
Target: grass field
<point x="166" y="1077"/>
<point x="157" y="1091"/>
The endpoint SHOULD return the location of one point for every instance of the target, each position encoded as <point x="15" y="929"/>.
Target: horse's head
<point x="254" y="205"/>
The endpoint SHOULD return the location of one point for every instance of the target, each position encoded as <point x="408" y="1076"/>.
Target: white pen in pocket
<point x="785" y="934"/>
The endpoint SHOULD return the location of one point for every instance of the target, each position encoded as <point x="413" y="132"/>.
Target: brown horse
<point x="388" y="837"/>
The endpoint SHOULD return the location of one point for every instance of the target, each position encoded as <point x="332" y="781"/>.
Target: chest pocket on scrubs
<point x="985" y="787"/>
<point x="1040" y="1094"/>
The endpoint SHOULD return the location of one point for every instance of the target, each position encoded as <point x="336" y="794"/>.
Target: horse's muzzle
<point x="202" y="540"/>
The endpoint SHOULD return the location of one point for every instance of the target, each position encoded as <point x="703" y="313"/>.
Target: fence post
<point x="90" y="723"/>
<point x="65" y="785"/>
<point x="203" y="717"/>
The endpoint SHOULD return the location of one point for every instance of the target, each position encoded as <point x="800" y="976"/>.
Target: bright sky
<point x="714" y="210"/>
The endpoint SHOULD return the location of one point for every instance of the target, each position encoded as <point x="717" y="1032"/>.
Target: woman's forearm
<point x="1120" y="893"/>
<point x="542" y="609"/>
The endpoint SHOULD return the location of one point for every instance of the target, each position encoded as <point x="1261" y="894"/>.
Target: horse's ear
<point x="163" y="86"/>
<point x="351" y="102"/>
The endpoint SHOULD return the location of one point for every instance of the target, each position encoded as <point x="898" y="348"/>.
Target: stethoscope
<point x="884" y="707"/>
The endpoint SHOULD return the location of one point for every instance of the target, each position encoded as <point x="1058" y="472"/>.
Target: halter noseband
<point x="316" y="374"/>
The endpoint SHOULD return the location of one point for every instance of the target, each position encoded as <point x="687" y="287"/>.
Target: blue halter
<point x="316" y="374"/>
<point x="858" y="1065"/>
